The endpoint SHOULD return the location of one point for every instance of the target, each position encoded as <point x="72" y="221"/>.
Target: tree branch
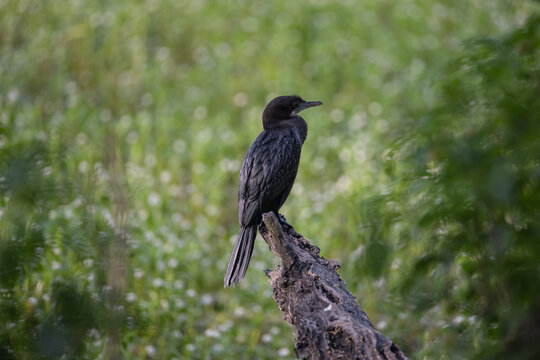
<point x="328" y="322"/>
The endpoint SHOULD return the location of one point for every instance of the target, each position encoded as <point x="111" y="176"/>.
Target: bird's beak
<point x="307" y="104"/>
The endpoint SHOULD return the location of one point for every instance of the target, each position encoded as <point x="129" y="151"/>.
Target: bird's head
<point x="285" y="107"/>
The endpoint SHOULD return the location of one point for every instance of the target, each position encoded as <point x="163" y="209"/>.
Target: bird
<point x="267" y="175"/>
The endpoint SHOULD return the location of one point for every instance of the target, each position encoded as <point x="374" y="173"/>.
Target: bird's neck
<point x="295" y="122"/>
<point x="301" y="125"/>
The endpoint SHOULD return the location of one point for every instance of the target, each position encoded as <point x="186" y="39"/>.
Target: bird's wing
<point x="267" y="175"/>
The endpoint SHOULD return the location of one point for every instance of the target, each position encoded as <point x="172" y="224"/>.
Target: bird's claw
<point x="283" y="221"/>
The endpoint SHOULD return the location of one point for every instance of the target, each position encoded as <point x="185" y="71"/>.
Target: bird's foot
<point x="283" y="221"/>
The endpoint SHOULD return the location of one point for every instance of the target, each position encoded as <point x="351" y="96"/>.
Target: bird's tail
<point x="239" y="261"/>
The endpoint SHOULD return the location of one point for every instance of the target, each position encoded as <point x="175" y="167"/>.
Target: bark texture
<point x="328" y="322"/>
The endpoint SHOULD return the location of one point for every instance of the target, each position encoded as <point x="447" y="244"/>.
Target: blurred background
<point x="123" y="126"/>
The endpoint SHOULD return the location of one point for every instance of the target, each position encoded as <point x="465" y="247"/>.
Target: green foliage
<point x="476" y="159"/>
<point x="123" y="126"/>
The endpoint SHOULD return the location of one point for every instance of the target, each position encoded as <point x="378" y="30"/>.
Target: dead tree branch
<point x="328" y="322"/>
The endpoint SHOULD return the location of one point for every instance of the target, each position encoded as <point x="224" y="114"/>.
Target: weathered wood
<point x="328" y="322"/>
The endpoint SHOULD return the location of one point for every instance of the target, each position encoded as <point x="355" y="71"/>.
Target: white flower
<point x="131" y="297"/>
<point x="88" y="262"/>
<point x="207" y="299"/>
<point x="173" y="263"/>
<point x="138" y="273"/>
<point x="150" y="350"/>
<point x="239" y="311"/>
<point x="32" y="302"/>
<point x="284" y="352"/>
<point x="266" y="338"/>
<point x="212" y="333"/>
<point x="154" y="199"/>
<point x="157" y="282"/>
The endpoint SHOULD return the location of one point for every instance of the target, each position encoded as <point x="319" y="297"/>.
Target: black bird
<point x="267" y="174"/>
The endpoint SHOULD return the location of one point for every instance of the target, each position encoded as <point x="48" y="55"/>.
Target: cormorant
<point x="267" y="174"/>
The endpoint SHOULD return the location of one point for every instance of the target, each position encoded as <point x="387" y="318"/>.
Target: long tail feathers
<point x="239" y="261"/>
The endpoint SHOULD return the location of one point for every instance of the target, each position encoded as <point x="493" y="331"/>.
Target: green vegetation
<point x="123" y="126"/>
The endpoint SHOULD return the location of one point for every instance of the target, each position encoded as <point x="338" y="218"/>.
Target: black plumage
<point x="267" y="174"/>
